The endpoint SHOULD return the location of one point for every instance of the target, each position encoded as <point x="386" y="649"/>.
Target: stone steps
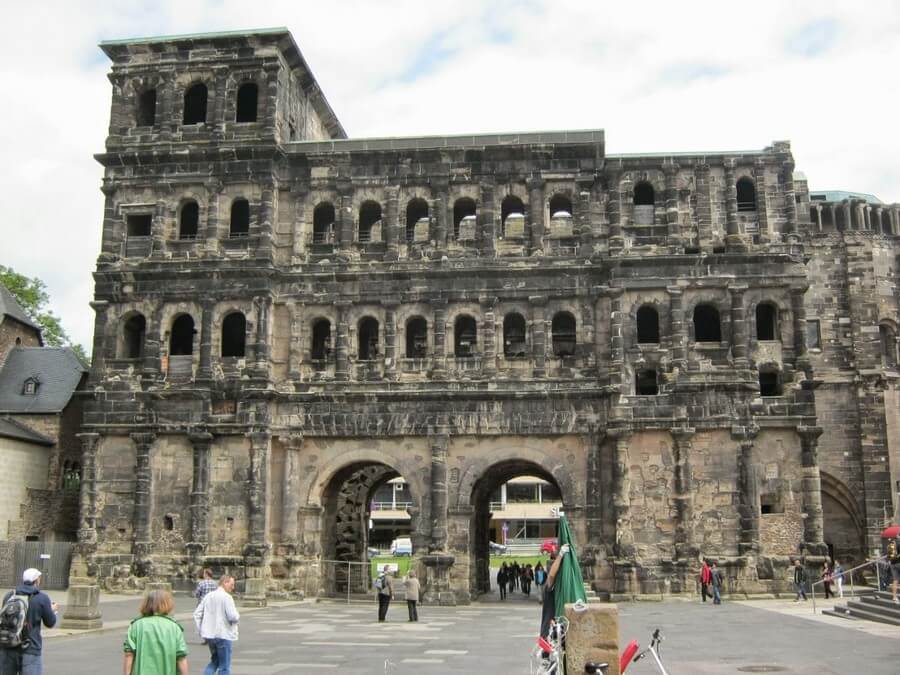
<point x="877" y="606"/>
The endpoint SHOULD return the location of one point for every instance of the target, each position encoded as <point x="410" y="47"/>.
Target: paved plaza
<point x="494" y="637"/>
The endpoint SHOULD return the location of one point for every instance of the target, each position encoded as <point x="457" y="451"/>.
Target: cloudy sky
<point x="656" y="75"/>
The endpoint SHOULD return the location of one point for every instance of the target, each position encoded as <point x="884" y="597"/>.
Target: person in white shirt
<point x="217" y="622"/>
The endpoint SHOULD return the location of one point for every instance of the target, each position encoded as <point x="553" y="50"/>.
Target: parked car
<point x="499" y="549"/>
<point x="401" y="546"/>
<point x="550" y="546"/>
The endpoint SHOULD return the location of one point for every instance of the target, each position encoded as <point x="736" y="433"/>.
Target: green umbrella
<point x="569" y="586"/>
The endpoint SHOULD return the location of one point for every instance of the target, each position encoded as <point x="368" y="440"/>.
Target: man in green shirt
<point x="155" y="642"/>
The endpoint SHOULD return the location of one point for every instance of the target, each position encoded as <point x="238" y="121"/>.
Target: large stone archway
<point x="842" y="522"/>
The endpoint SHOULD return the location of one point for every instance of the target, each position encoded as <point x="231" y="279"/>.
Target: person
<point x="502" y="580"/>
<point x="217" y="622"/>
<point x="799" y="580"/>
<point x="716" y="580"/>
<point x="26" y="660"/>
<point x="548" y="609"/>
<point x="705" y="580"/>
<point x="528" y="577"/>
<point x="412" y="595"/>
<point x="514" y="576"/>
<point x="893" y="556"/>
<point x="154" y="643"/>
<point x="206" y="585"/>
<point x="385" y="591"/>
<point x="827" y="578"/>
<point x="839" y="578"/>
<point x="539" y="576"/>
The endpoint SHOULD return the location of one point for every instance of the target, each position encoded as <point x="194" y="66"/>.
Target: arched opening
<point x="234" y="335"/>
<point x="746" y="195"/>
<point x="707" y="327"/>
<point x="644" y="195"/>
<point x="247" y="96"/>
<point x="462" y="208"/>
<point x="886" y="223"/>
<point x="189" y="220"/>
<point x="766" y="321"/>
<point x="647" y="325"/>
<point x="369" y="215"/>
<point x="769" y="382"/>
<point x="133" y="332"/>
<point x="146" y="109"/>
<point x="514" y="336"/>
<point x="367" y="339"/>
<point x="888" y="340"/>
<point x="181" y="341"/>
<point x="515" y="503"/>
<point x="416" y="338"/>
<point x="510" y="206"/>
<point x="240" y="218"/>
<point x="560" y="206"/>
<point x="195" y="104"/>
<point x="323" y="223"/>
<point x="320" y="349"/>
<point x="840" y="218"/>
<point x="842" y="522"/>
<point x="563" y="334"/>
<point x="465" y="335"/>
<point x="416" y="210"/>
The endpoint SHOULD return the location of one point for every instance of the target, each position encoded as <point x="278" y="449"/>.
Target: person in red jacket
<point x="705" y="580"/>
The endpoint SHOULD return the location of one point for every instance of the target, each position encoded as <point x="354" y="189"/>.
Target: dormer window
<point x="30" y="387"/>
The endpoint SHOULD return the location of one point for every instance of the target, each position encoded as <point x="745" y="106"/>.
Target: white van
<point x="401" y="546"/>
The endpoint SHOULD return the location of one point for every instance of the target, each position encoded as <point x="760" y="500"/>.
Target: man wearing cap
<point x="27" y="660"/>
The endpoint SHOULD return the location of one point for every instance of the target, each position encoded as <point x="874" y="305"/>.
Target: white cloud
<point x="655" y="75"/>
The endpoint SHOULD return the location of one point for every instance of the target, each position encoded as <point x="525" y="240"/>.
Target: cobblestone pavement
<point x="494" y="637"/>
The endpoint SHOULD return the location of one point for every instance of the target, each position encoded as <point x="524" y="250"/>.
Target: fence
<point x="52" y="558"/>
<point x="344" y="578"/>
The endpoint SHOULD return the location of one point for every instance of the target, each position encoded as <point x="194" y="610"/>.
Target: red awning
<point x="891" y="532"/>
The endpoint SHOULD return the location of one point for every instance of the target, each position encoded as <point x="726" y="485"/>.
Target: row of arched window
<point x="196" y="104"/>
<point x="707" y="323"/>
<point x="140" y="225"/>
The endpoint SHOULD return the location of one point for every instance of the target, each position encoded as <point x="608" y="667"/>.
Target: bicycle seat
<point x="591" y="667"/>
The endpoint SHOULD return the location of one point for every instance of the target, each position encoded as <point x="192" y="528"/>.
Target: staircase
<point x="874" y="606"/>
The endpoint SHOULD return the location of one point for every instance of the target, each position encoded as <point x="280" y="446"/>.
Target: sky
<point x="657" y="76"/>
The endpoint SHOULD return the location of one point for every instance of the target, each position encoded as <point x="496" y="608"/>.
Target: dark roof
<point x="9" y="428"/>
<point x="57" y="370"/>
<point x="11" y="308"/>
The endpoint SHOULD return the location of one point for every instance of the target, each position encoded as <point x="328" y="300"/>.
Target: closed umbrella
<point x="569" y="585"/>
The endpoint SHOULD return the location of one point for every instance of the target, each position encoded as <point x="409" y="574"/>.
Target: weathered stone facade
<point x="286" y="318"/>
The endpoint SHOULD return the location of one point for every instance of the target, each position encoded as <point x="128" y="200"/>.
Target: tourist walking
<point x="514" y="577"/>
<point x="384" y="588"/>
<point x="540" y="576"/>
<point x="528" y="578"/>
<point x="705" y="580"/>
<point x="827" y="578"/>
<point x="502" y="580"/>
<point x="839" y="578"/>
<point x="716" y="580"/>
<point x="154" y="644"/>
<point x="893" y="556"/>
<point x="800" y="578"/>
<point x="217" y="622"/>
<point x="412" y="595"/>
<point x="24" y="657"/>
<point x="206" y="585"/>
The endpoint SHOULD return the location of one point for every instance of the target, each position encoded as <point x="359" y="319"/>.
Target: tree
<point x="32" y="295"/>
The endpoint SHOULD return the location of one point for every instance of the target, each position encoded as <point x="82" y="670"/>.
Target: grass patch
<point x="402" y="561"/>
<point x="497" y="560"/>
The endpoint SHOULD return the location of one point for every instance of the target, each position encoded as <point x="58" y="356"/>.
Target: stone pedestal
<point x="82" y="610"/>
<point x="593" y="636"/>
<point x="254" y="593"/>
<point x="437" y="579"/>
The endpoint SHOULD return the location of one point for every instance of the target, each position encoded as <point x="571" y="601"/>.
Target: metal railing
<point x="848" y="574"/>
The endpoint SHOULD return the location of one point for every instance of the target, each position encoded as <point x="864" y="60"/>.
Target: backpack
<point x="14" y="625"/>
<point x="379" y="583"/>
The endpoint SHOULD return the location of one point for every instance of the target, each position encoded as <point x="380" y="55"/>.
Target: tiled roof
<point x="9" y="428"/>
<point x="56" y="370"/>
<point x="9" y="307"/>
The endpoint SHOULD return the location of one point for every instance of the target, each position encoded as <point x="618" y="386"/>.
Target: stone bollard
<point x="82" y="611"/>
<point x="593" y="636"/>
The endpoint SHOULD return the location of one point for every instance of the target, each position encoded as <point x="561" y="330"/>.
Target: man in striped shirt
<point x="205" y="585"/>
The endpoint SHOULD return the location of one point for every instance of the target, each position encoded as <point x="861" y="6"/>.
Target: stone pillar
<point x="811" y="491"/>
<point x="345" y="217"/>
<point x="762" y="207"/>
<point x="536" y="214"/>
<point x="266" y="221"/>
<point x="256" y="550"/>
<point x="211" y="235"/>
<point x="158" y="231"/>
<point x="201" y="441"/>
<point x="748" y="496"/>
<point x="678" y="329"/>
<point x="539" y="333"/>
<point x="441" y="217"/>
<point x="142" y="544"/>
<point x="439" y="445"/>
<point x="733" y="239"/>
<point x="684" y="501"/>
<point x="489" y="358"/>
<point x="703" y="209"/>
<point x="290" y="499"/>
<point x="263" y="304"/>
<point x="624" y="545"/>
<point x="588" y="347"/>
<point x="391" y="230"/>
<point x="206" y="329"/>
<point x="616" y="338"/>
<point x="390" y="338"/>
<point x="670" y="170"/>
<point x="114" y="227"/>
<point x="218" y="97"/>
<point x="486" y="221"/>
<point x="790" y="200"/>
<point x="295" y="344"/>
<point x="594" y="501"/>
<point x="87" y="497"/>
<point x="298" y="230"/>
<point x="342" y="342"/>
<point x="739" y="347"/>
<point x="439" y="359"/>
<point x="583" y="217"/>
<point x="798" y="311"/>
<point x="98" y="351"/>
<point x="616" y="239"/>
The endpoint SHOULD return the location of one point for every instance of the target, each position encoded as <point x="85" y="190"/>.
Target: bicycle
<point x="628" y="656"/>
<point x="549" y="652"/>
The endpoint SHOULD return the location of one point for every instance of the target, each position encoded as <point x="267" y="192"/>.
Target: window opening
<point x="195" y="104"/>
<point x="813" y="334"/>
<point x="240" y="218"/>
<point x="146" y="114"/>
<point x="560" y="206"/>
<point x="181" y="342"/>
<point x="247" y="95"/>
<point x="513" y="336"/>
<point x="189" y="222"/>
<point x="888" y="346"/>
<point x="746" y="195"/>
<point x="465" y="335"/>
<point x="168" y="523"/>
<point x="706" y="324"/>
<point x="647" y="325"/>
<point x="133" y="333"/>
<point x="416" y="210"/>
<point x="644" y="194"/>
<point x="645" y="383"/>
<point x="462" y="208"/>
<point x="368" y="339"/>
<point x="769" y="383"/>
<point x="416" y="338"/>
<point x="886" y="222"/>
<point x="323" y="223"/>
<point x="139" y="225"/>
<point x="511" y="206"/>
<point x="563" y="328"/>
<point x="321" y="340"/>
<point x="770" y="503"/>
<point x="30" y="387"/>
<point x="766" y="320"/>
<point x="234" y="335"/>
<point x="369" y="215"/>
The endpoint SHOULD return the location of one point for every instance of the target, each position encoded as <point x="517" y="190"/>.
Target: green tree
<point x="32" y="295"/>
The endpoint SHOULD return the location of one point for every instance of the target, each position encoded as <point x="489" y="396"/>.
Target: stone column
<point x="439" y="358"/>
<point x="536" y="214"/>
<point x="588" y="352"/>
<point x="739" y="348"/>
<point x="266" y="221"/>
<point x="670" y="170"/>
<point x="295" y="343"/>
<point x="218" y="97"/>
<point x="290" y="499"/>
<point x="703" y="209"/>
<point x="98" y="351"/>
<point x="342" y="342"/>
<point x="684" y="501"/>
<point x="539" y="333"/>
<point x="762" y="207"/>
<point x="142" y="544"/>
<point x="486" y="220"/>
<point x="345" y="217"/>
<point x="439" y="445"/>
<point x="441" y="218"/>
<point x="158" y="231"/>
<point x="211" y="235"/>
<point x="811" y="491"/>
<point x="114" y="227"/>
<point x="594" y="502"/>
<point x="298" y="231"/>
<point x="87" y="497"/>
<point x="678" y="328"/>
<point x="748" y="495"/>
<point x="624" y="546"/>
<point x="263" y="304"/>
<point x="614" y="210"/>
<point x="390" y="338"/>
<point x="206" y="329"/>
<point x="201" y="441"/>
<point x="391" y="230"/>
<point x="798" y="311"/>
<point x="616" y="338"/>
<point x="256" y="550"/>
<point x="489" y="357"/>
<point x="790" y="200"/>
<point x="583" y="217"/>
<point x="733" y="239"/>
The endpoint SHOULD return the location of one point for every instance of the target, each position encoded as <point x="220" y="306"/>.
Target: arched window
<point x="644" y="194"/>
<point x="888" y="345"/>
<point x="510" y="206"/>
<point x="746" y="195"/>
<point x="645" y="383"/>
<point x="840" y="218"/>
<point x="133" y="333"/>
<point x="416" y="338"/>
<point x="465" y="335"/>
<point x="234" y="335"/>
<point x="886" y="222"/>
<point x="563" y="328"/>
<point x="146" y="109"/>
<point x="181" y="341"/>
<point x="321" y="340"/>
<point x="189" y="220"/>
<point x="416" y="210"/>
<point x="769" y="382"/>
<point x="247" y="95"/>
<point x="368" y="339"/>
<point x="513" y="336"/>
<point x="560" y="206"/>
<point x="195" y="104"/>
<point x="323" y="223"/>
<point x="369" y="214"/>
<point x="240" y="218"/>
<point x="706" y="324"/>
<point x="462" y="208"/>
<point x="766" y="321"/>
<point x="648" y="325"/>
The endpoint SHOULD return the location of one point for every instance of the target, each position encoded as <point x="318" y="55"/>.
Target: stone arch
<point x="843" y="522"/>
